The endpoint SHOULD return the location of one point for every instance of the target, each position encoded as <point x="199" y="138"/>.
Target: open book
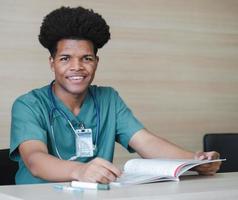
<point x="137" y="171"/>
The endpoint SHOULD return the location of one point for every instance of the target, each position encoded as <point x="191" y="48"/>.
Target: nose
<point x="76" y="65"/>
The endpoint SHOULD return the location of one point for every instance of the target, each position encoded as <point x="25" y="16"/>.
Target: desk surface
<point x="221" y="186"/>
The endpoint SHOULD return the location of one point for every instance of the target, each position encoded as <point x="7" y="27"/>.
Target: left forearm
<point x="148" y="145"/>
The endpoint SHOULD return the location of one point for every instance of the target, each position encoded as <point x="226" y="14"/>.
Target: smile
<point x="75" y="77"/>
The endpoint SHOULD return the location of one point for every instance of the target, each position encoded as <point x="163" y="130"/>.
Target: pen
<point x="68" y="188"/>
<point x="87" y="185"/>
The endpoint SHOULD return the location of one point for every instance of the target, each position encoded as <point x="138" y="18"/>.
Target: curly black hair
<point x="73" y="23"/>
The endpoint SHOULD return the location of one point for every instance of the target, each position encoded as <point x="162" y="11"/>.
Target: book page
<point x="127" y="179"/>
<point x="137" y="171"/>
<point x="155" y="167"/>
<point x="193" y="163"/>
<point x="133" y="179"/>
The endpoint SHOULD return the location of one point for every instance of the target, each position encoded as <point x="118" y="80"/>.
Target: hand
<point x="210" y="168"/>
<point x="97" y="170"/>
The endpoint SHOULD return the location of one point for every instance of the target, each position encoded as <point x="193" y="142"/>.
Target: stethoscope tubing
<point x="64" y="115"/>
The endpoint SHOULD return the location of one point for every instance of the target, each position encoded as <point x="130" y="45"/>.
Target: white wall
<point x="175" y="63"/>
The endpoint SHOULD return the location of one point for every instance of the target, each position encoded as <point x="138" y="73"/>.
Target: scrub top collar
<point x="61" y="106"/>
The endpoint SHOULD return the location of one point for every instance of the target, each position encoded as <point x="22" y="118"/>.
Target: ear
<point x="51" y="62"/>
<point x="97" y="57"/>
<point x="97" y="60"/>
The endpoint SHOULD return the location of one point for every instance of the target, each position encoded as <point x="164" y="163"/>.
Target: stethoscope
<point x="55" y="108"/>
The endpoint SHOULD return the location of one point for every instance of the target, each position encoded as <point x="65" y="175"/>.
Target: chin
<point x="78" y="91"/>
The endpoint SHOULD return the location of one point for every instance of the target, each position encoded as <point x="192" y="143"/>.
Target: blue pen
<point x="68" y="188"/>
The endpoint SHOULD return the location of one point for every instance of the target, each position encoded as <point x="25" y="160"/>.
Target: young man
<point x="67" y="130"/>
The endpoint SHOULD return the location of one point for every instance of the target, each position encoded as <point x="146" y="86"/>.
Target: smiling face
<point x="74" y="65"/>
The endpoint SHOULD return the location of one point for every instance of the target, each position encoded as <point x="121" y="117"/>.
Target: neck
<point x="72" y="101"/>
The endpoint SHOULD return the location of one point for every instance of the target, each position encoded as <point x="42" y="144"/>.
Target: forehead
<point x="73" y="46"/>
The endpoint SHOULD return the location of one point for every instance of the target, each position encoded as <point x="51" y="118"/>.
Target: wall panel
<point x="175" y="63"/>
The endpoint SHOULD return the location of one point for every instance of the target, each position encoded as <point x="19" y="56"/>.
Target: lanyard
<point x="64" y="115"/>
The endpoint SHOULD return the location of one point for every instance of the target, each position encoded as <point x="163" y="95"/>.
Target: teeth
<point x="75" y="78"/>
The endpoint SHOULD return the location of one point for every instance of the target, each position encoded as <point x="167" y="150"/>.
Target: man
<point x="67" y="130"/>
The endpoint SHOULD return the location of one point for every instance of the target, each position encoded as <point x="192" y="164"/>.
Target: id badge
<point x="84" y="142"/>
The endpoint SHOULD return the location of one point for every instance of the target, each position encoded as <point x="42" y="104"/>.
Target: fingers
<point x="209" y="168"/>
<point x="208" y="172"/>
<point x="105" y="176"/>
<point x="211" y="155"/>
<point x="214" y="155"/>
<point x="102" y="171"/>
<point x="110" y="167"/>
<point x="200" y="155"/>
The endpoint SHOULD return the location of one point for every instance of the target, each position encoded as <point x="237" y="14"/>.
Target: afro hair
<point x="73" y="23"/>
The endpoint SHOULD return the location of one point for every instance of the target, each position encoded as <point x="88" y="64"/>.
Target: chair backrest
<point x="227" y="145"/>
<point x="8" y="168"/>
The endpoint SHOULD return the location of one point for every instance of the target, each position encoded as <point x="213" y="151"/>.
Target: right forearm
<point x="45" y="166"/>
<point x="50" y="168"/>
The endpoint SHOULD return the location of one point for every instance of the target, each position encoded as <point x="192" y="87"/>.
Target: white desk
<point x="221" y="186"/>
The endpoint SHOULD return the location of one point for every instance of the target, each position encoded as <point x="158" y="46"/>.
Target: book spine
<point x="177" y="170"/>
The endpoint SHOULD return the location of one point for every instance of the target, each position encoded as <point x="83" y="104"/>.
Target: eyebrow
<point x="89" y="55"/>
<point x="64" y="55"/>
<point x="92" y="55"/>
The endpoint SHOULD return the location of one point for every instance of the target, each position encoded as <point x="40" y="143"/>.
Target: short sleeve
<point x="126" y="123"/>
<point x="25" y="125"/>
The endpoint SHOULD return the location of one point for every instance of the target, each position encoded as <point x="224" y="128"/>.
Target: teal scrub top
<point x="31" y="121"/>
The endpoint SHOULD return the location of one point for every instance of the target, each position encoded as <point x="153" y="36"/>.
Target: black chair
<point x="8" y="168"/>
<point x="227" y="145"/>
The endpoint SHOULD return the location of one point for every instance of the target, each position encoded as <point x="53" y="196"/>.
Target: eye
<point x="64" y="58"/>
<point x="88" y="59"/>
